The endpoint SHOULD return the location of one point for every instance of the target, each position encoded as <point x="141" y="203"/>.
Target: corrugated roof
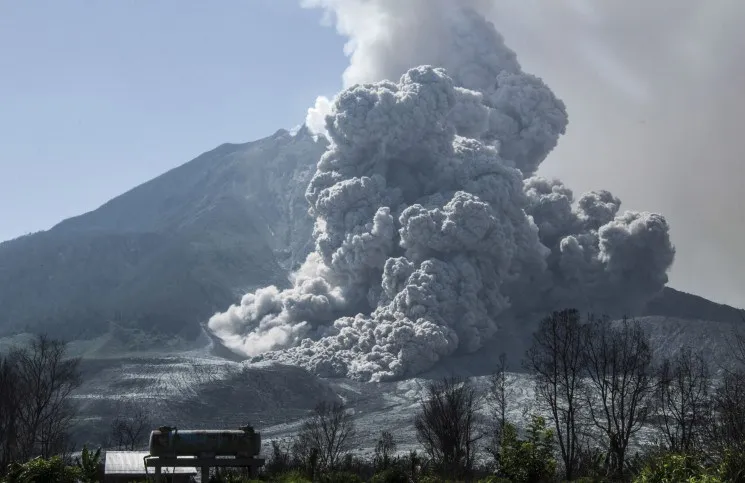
<point x="133" y="463"/>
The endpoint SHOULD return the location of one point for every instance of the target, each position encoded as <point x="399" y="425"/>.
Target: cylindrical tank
<point x="171" y="442"/>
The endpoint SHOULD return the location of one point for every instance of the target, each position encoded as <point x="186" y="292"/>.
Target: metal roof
<point x="133" y="463"/>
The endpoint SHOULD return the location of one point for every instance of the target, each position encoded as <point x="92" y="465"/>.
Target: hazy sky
<point x="97" y="97"/>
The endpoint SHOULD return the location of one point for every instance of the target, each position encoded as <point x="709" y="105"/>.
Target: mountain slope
<point x="169" y="253"/>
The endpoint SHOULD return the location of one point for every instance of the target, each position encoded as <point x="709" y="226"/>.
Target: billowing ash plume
<point x="431" y="230"/>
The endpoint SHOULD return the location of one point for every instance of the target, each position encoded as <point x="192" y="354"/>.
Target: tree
<point x="556" y="359"/>
<point x="446" y="425"/>
<point x="47" y="378"/>
<point x="130" y="426"/>
<point x="683" y="399"/>
<point x="531" y="459"/>
<point x="385" y="448"/>
<point x="328" y="433"/>
<point x="726" y="431"/>
<point x="10" y="399"/>
<point x="281" y="459"/>
<point x="498" y="395"/>
<point x="36" y="383"/>
<point x="620" y="385"/>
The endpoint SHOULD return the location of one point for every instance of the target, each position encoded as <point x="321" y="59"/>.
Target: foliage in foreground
<point x="531" y="459"/>
<point x="88" y="463"/>
<point x="39" y="470"/>
<point x="674" y="467"/>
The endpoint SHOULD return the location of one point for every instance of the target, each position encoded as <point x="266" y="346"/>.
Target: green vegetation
<point x="530" y="459"/>
<point x="88" y="465"/>
<point x="38" y="470"/>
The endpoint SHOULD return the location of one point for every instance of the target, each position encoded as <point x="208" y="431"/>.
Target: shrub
<point x="40" y="470"/>
<point x="430" y="479"/>
<point x="391" y="475"/>
<point x="494" y="479"/>
<point x="88" y="463"/>
<point x="672" y="467"/>
<point x="339" y="477"/>
<point x="291" y="477"/>
<point x="732" y="466"/>
<point x="531" y="459"/>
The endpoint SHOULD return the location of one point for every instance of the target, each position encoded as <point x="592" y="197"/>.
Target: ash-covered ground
<point x="198" y="389"/>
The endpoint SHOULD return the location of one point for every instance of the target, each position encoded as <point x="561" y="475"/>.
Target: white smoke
<point x="431" y="231"/>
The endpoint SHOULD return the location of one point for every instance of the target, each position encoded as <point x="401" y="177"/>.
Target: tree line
<point x="604" y="410"/>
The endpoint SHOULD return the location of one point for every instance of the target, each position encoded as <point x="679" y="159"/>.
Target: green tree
<point x="530" y="459"/>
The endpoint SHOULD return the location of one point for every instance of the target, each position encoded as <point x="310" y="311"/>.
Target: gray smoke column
<point x="431" y="231"/>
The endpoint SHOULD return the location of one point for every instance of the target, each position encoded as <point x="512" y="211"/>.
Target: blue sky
<point x="97" y="97"/>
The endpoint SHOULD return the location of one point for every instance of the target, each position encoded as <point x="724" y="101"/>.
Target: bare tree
<point x="130" y="426"/>
<point x="10" y="401"/>
<point x="329" y="431"/>
<point x="498" y="395"/>
<point x="683" y="399"/>
<point x="281" y="459"/>
<point x="620" y="384"/>
<point x="498" y="392"/>
<point x="43" y="379"/>
<point x="446" y="425"/>
<point x="726" y="430"/>
<point x="556" y="360"/>
<point x="384" y="450"/>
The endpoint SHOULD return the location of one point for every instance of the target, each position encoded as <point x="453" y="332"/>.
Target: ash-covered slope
<point x="167" y="254"/>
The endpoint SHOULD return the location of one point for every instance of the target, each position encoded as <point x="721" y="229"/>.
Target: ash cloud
<point x="432" y="232"/>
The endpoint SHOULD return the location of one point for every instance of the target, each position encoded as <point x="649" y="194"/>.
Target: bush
<point x="732" y="466"/>
<point x="88" y="464"/>
<point x="430" y="479"/>
<point x="291" y="477"/>
<point x="674" y="467"/>
<point x="40" y="470"/>
<point x="529" y="460"/>
<point x="494" y="479"/>
<point x="391" y="475"/>
<point x="339" y="477"/>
